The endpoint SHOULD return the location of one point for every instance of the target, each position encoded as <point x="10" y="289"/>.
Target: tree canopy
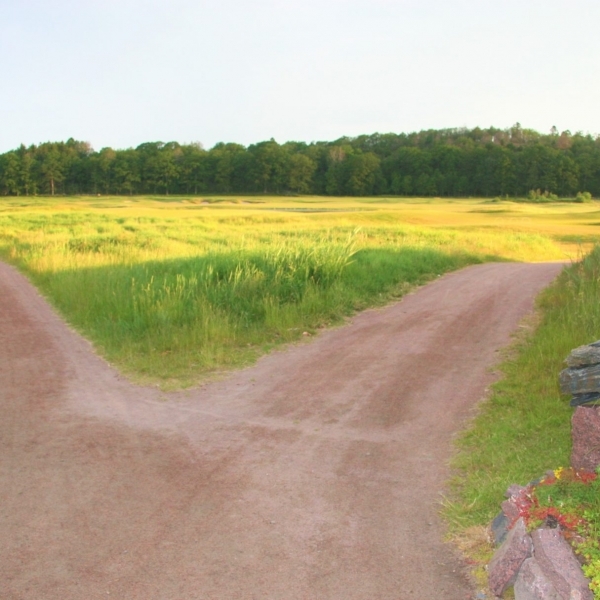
<point x="448" y="162"/>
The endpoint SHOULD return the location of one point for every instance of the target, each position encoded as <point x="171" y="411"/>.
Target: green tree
<point x="26" y="169"/>
<point x="52" y="166"/>
<point x="167" y="166"/>
<point x="223" y="160"/>
<point x="126" y="171"/>
<point x="268" y="169"/>
<point x="363" y="174"/>
<point x="194" y="168"/>
<point x="301" y="171"/>
<point x="538" y="168"/>
<point x="335" y="177"/>
<point x="567" y="175"/>
<point x="10" y="174"/>
<point x="102" y="170"/>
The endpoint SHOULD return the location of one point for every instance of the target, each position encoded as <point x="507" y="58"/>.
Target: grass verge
<point x="523" y="428"/>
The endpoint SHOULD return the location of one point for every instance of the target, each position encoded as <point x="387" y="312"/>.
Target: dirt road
<point x="314" y="475"/>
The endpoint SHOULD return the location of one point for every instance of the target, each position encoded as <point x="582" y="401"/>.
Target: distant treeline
<point x="449" y="162"/>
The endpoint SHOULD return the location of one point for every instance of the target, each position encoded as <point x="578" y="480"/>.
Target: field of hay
<point x="173" y="289"/>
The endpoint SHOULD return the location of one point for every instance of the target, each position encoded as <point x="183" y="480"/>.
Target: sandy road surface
<point x="312" y="476"/>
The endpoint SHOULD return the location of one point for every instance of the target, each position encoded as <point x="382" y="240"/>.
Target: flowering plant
<point x="570" y="499"/>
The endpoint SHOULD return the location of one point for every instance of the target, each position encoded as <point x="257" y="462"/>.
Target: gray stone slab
<point x="505" y="565"/>
<point x="500" y="528"/>
<point x="532" y="584"/>
<point x="558" y="563"/>
<point x="584" y="355"/>
<point x="590" y="399"/>
<point x="580" y="381"/>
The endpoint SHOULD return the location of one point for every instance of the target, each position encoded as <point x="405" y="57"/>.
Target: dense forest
<point x="449" y="162"/>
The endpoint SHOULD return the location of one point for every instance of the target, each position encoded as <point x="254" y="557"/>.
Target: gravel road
<point x="313" y="475"/>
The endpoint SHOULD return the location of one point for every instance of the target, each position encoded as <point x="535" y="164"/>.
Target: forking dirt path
<point x="314" y="475"/>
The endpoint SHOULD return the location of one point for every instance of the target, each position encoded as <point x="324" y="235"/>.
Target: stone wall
<point x="541" y="565"/>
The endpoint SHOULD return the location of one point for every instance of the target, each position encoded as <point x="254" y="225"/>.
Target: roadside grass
<point x="173" y="290"/>
<point x="523" y="429"/>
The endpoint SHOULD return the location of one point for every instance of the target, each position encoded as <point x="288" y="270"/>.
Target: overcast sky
<point x="122" y="72"/>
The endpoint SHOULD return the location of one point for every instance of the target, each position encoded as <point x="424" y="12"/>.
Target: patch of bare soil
<point x="313" y="475"/>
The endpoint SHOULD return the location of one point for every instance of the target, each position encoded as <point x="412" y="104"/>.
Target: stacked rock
<point x="582" y="380"/>
<point x="582" y="377"/>
<point x="540" y="565"/>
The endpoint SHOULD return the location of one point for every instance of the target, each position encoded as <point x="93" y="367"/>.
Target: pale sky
<point x="122" y="72"/>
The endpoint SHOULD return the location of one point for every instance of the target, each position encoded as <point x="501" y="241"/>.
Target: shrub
<point x="539" y="196"/>
<point x="583" y="197"/>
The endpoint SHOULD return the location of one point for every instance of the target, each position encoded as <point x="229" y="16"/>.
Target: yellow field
<point x="171" y="288"/>
<point x="480" y="225"/>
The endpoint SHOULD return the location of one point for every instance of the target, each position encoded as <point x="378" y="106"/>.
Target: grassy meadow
<point x="174" y="289"/>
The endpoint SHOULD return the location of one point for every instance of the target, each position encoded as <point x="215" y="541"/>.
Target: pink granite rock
<point x="585" y="430"/>
<point x="558" y="563"/>
<point x="505" y="565"/>
<point x="532" y="584"/>
<point x="511" y="511"/>
<point x="514" y="491"/>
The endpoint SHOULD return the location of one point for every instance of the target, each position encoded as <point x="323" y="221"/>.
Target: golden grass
<point x="159" y="253"/>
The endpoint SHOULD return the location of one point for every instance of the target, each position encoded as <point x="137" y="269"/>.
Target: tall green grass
<point x="180" y="318"/>
<point x="523" y="429"/>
